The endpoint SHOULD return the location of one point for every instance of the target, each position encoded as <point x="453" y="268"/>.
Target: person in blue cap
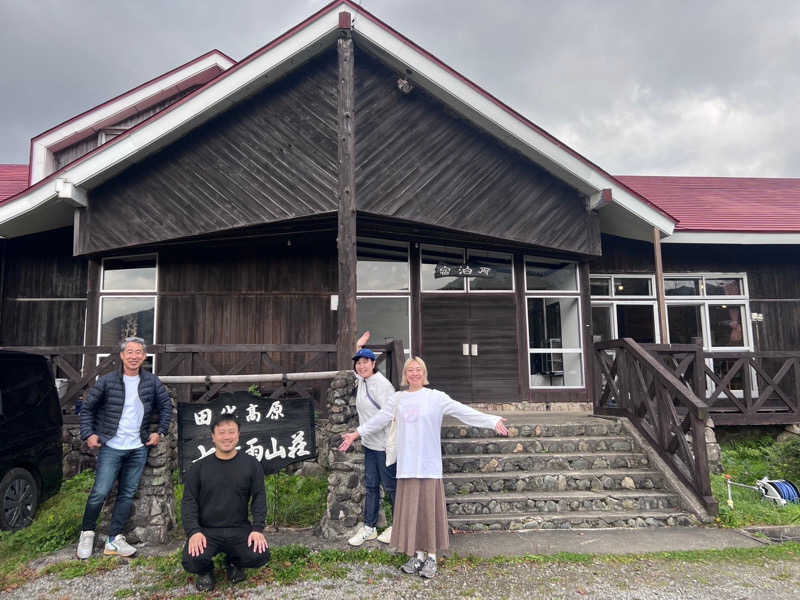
<point x="374" y="392"/>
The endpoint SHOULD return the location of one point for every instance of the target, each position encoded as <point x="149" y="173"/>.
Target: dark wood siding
<point x="417" y="161"/>
<point x="42" y="290"/>
<point x="257" y="293"/>
<point x="773" y="277"/>
<point x="270" y="158"/>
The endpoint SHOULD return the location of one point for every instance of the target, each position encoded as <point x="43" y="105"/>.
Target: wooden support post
<point x="587" y="332"/>
<point x="92" y="311"/>
<point x="346" y="240"/>
<point x="660" y="296"/>
<point x="416" y="300"/>
<point x="523" y="356"/>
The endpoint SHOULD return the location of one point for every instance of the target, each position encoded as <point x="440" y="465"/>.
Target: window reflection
<point x="726" y="324"/>
<point x="499" y="266"/>
<point x="132" y="273"/>
<point x="545" y="274"/>
<point x="382" y="266"/>
<point x="122" y="317"/>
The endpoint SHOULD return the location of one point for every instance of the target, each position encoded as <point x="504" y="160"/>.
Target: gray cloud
<point x="637" y="86"/>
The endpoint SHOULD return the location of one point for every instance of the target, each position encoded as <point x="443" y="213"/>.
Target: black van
<point x="30" y="437"/>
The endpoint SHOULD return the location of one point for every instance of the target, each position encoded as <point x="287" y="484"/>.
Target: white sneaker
<point x="118" y="546"/>
<point x="386" y="536"/>
<point x="363" y="534"/>
<point x="85" y="544"/>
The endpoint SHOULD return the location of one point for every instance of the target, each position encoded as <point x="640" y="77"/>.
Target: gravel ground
<point x="638" y="579"/>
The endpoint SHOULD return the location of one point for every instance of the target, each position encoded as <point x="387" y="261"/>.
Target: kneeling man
<point x="217" y="494"/>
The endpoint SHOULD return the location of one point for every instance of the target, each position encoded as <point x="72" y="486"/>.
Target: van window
<point x="23" y="385"/>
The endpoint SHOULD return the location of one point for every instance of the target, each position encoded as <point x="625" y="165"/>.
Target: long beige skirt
<point x="420" y="516"/>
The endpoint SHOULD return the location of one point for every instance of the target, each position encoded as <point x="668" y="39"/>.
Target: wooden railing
<point x="631" y="382"/>
<point x="740" y="387"/>
<point x="205" y="360"/>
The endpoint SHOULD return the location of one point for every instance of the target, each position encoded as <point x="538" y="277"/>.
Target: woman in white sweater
<point x="420" y="517"/>
<point x="373" y="392"/>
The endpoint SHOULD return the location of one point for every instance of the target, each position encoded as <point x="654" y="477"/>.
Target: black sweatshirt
<point x="217" y="494"/>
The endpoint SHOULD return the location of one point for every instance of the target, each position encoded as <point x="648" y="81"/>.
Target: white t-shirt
<point x="419" y="429"/>
<point x="130" y="422"/>
<point x="382" y="391"/>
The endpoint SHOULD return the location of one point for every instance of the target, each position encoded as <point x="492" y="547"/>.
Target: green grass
<point x="746" y="460"/>
<point x="57" y="524"/>
<point x="292" y="500"/>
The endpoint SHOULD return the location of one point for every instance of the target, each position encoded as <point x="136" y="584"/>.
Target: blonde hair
<point x="418" y="360"/>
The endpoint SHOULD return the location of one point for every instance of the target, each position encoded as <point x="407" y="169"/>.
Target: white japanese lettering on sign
<point x="203" y="417"/>
<point x="275" y="411"/>
<point x="298" y="447"/>
<point x="253" y="415"/>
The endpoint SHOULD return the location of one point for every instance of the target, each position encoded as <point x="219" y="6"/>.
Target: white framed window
<point x="553" y="318"/>
<point x="128" y="299"/>
<point x="387" y="318"/>
<point x="382" y="266"/>
<point x="544" y="275"/>
<point x="137" y="273"/>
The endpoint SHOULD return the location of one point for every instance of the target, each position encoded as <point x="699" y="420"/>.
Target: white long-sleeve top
<point x="382" y="391"/>
<point x="419" y="428"/>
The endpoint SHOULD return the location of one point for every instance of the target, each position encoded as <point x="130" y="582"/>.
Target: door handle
<point x="474" y="349"/>
<point x="465" y="349"/>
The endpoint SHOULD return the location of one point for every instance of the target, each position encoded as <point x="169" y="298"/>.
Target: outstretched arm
<point x="362" y="341"/>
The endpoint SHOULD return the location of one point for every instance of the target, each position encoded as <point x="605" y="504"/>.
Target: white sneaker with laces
<point x="85" y="544"/>
<point x="119" y="546"/>
<point x="386" y="536"/>
<point x="362" y="535"/>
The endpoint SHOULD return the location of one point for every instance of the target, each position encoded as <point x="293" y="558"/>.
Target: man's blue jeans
<point x="376" y="473"/>
<point x="124" y="466"/>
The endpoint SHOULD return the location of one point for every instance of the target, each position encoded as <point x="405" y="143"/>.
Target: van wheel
<point x="19" y="498"/>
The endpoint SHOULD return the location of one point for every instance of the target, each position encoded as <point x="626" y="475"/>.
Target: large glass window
<point x="492" y="271"/>
<point x="726" y="325"/>
<point x="386" y="318"/>
<point x="439" y="255"/>
<point x="129" y="274"/>
<point x="554" y="337"/>
<point x="382" y="266"/>
<point x="128" y="300"/>
<point x="543" y="274"/>
<point x="685" y="323"/>
<point x="383" y="280"/>
<point x="124" y="316"/>
<point x="637" y="321"/>
<point x="602" y="323"/>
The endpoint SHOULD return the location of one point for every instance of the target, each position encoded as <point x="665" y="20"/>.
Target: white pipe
<point x="272" y="378"/>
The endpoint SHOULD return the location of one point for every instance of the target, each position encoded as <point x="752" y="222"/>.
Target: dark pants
<point x="376" y="473"/>
<point x="124" y="466"/>
<point x="231" y="542"/>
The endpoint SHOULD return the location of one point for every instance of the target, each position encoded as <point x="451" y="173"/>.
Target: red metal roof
<point x="13" y="179"/>
<point x="743" y="204"/>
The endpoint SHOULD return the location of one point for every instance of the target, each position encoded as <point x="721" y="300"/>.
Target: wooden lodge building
<point x="203" y="207"/>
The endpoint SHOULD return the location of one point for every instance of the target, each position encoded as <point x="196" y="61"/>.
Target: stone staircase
<point x="554" y="471"/>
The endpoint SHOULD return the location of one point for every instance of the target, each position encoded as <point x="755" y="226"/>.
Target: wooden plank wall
<point x="42" y="290"/>
<point x="417" y="161"/>
<point x="270" y="158"/>
<point x="773" y="276"/>
<point x="257" y="293"/>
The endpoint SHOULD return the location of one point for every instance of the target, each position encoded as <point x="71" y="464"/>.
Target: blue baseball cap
<point x="365" y="353"/>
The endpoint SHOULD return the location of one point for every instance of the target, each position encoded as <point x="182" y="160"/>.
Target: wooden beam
<point x="587" y="333"/>
<point x="660" y="296"/>
<point x="346" y="240"/>
<point x="92" y="310"/>
<point x="416" y="299"/>
<point x="523" y="356"/>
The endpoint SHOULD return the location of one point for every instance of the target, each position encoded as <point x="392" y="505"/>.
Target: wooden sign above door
<point x="462" y="270"/>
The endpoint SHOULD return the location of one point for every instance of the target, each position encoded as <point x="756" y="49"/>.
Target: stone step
<point x="554" y="428"/>
<point x="562" y="461"/>
<point x="519" y="481"/>
<point x="573" y="520"/>
<point x="560" y="502"/>
<point x="586" y="444"/>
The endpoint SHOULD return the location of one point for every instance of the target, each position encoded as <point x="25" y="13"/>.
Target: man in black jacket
<point x="217" y="494"/>
<point x="115" y="418"/>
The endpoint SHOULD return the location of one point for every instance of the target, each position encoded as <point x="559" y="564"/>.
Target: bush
<point x="785" y="458"/>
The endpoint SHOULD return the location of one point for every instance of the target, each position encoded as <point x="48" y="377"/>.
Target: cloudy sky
<point x="649" y="87"/>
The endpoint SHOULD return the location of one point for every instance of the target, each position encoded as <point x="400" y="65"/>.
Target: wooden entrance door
<point x="487" y="372"/>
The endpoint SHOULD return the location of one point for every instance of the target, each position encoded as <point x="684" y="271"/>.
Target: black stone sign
<point x="277" y="431"/>
<point x="463" y="270"/>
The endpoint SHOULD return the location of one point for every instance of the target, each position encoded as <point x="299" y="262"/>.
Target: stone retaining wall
<point x="346" y="470"/>
<point x="153" y="514"/>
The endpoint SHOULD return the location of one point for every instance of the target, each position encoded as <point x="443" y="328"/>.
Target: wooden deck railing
<point x="631" y="382"/>
<point x="200" y="359"/>
<point x="740" y="387"/>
